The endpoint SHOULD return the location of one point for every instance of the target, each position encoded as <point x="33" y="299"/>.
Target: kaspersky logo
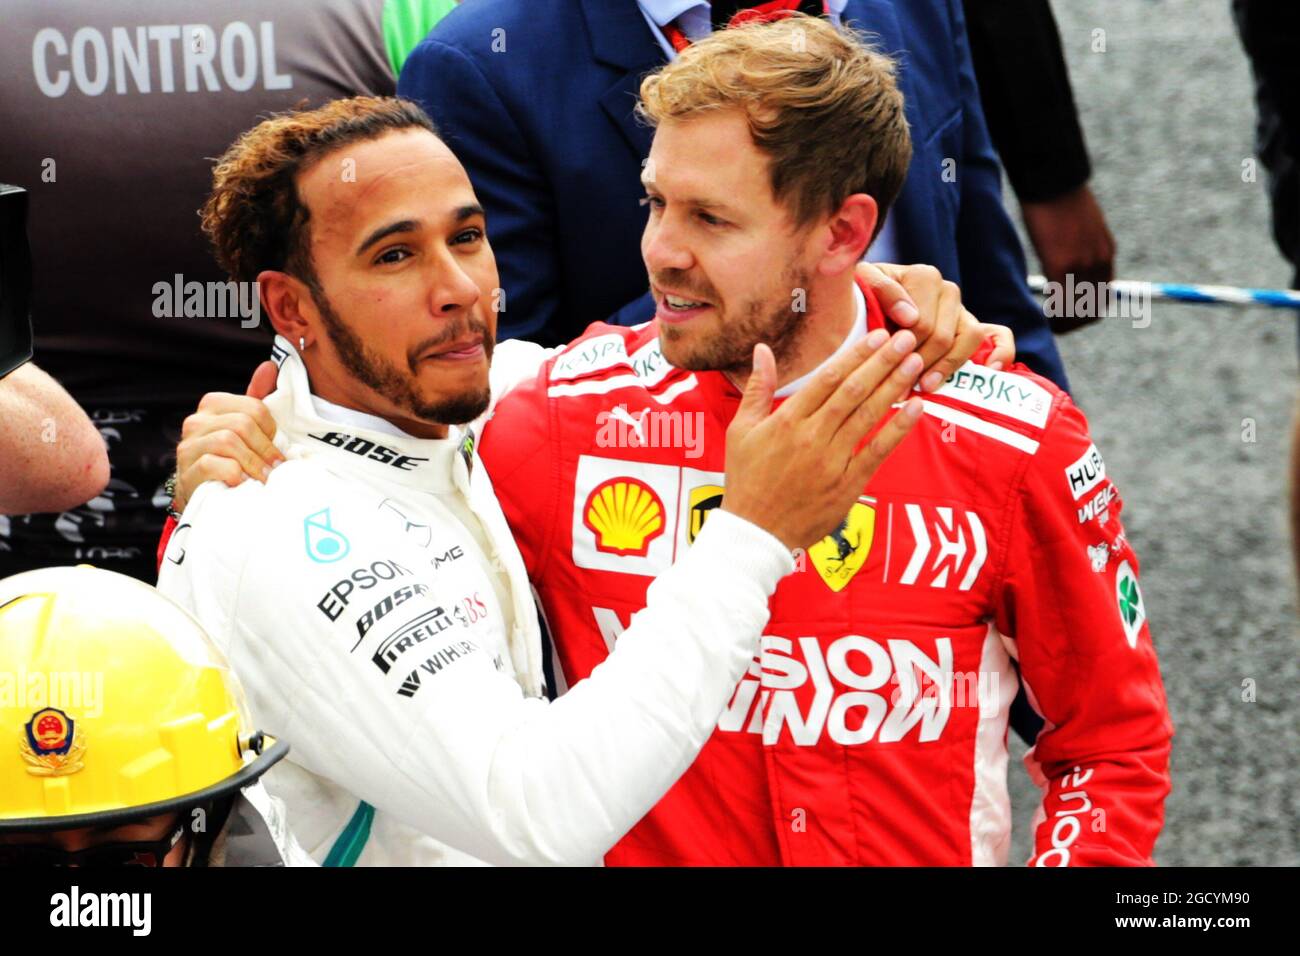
<point x="625" y="514"/>
<point x="1002" y="392"/>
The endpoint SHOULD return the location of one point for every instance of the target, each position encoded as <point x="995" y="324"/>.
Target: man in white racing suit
<point x="369" y="593"/>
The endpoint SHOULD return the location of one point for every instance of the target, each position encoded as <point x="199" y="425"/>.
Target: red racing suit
<point x="872" y="728"/>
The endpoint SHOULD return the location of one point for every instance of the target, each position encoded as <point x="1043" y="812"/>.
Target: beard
<point x="730" y="348"/>
<point x="396" y="384"/>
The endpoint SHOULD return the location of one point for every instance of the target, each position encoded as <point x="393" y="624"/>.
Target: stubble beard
<point x="731" y="349"/>
<point x="398" y="385"/>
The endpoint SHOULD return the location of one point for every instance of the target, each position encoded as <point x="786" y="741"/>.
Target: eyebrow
<point x="383" y="232"/>
<point x="459" y="215"/>
<point x="694" y="201"/>
<point x="468" y="212"/>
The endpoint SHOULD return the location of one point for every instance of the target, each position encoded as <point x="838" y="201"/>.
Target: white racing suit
<point x="372" y="601"/>
<point x="256" y="834"/>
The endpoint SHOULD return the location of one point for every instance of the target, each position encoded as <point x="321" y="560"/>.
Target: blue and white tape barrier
<point x="1182" y="292"/>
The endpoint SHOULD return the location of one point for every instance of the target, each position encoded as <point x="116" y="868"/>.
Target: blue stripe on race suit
<point x="347" y="848"/>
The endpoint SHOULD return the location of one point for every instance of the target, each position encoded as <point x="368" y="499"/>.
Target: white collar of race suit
<point x="858" y="331"/>
<point x="309" y="428"/>
<point x="342" y="415"/>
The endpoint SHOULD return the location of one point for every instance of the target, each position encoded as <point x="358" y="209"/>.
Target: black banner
<point x="914" y="908"/>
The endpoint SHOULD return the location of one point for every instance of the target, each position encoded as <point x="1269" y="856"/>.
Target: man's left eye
<point x="469" y="235"/>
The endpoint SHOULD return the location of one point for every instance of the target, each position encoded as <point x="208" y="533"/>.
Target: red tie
<point x="771" y="10"/>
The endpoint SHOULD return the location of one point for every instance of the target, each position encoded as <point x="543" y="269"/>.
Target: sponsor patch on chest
<point x="636" y="517"/>
<point x="1005" y="393"/>
<point x="604" y="352"/>
<point x="934" y="546"/>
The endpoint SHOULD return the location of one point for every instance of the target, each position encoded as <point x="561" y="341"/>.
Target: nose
<point x="662" y="246"/>
<point x="454" y="290"/>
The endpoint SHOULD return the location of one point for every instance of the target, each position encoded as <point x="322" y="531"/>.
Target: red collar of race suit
<point x="718" y="384"/>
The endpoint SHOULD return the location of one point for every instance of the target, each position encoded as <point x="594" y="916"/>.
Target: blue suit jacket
<point x="536" y="99"/>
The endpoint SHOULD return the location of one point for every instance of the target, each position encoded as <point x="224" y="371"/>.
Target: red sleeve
<point x="985" y="349"/>
<point x="517" y="451"/>
<point x="1071" y="601"/>
<point x="168" y="527"/>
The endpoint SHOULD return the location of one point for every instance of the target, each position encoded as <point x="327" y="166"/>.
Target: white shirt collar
<point x="858" y="331"/>
<point x="664" y="12"/>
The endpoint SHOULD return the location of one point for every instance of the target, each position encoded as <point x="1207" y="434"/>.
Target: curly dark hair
<point x="254" y="216"/>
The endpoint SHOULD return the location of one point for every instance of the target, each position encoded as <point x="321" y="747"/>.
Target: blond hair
<point x="820" y="102"/>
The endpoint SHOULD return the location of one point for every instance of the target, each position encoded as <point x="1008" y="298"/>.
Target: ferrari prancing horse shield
<point x="841" y="555"/>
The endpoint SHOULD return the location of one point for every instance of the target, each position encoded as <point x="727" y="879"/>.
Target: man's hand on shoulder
<point x="918" y="298"/>
<point x="228" y="439"/>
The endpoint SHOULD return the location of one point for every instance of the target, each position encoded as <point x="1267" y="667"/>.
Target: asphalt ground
<point x="1168" y="110"/>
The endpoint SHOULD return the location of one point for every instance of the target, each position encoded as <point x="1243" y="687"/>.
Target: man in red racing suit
<point x="873" y="728"/>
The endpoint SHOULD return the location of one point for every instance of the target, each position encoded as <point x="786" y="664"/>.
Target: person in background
<point x="110" y="113"/>
<point x="1025" y="89"/>
<point x="129" y="738"/>
<point x="1270" y="34"/>
<point x="51" y="456"/>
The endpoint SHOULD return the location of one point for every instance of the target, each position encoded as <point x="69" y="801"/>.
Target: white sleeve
<point x="465" y="757"/>
<point x="515" y="361"/>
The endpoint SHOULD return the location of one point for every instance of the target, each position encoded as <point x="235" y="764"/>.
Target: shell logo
<point x="625" y="515"/>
